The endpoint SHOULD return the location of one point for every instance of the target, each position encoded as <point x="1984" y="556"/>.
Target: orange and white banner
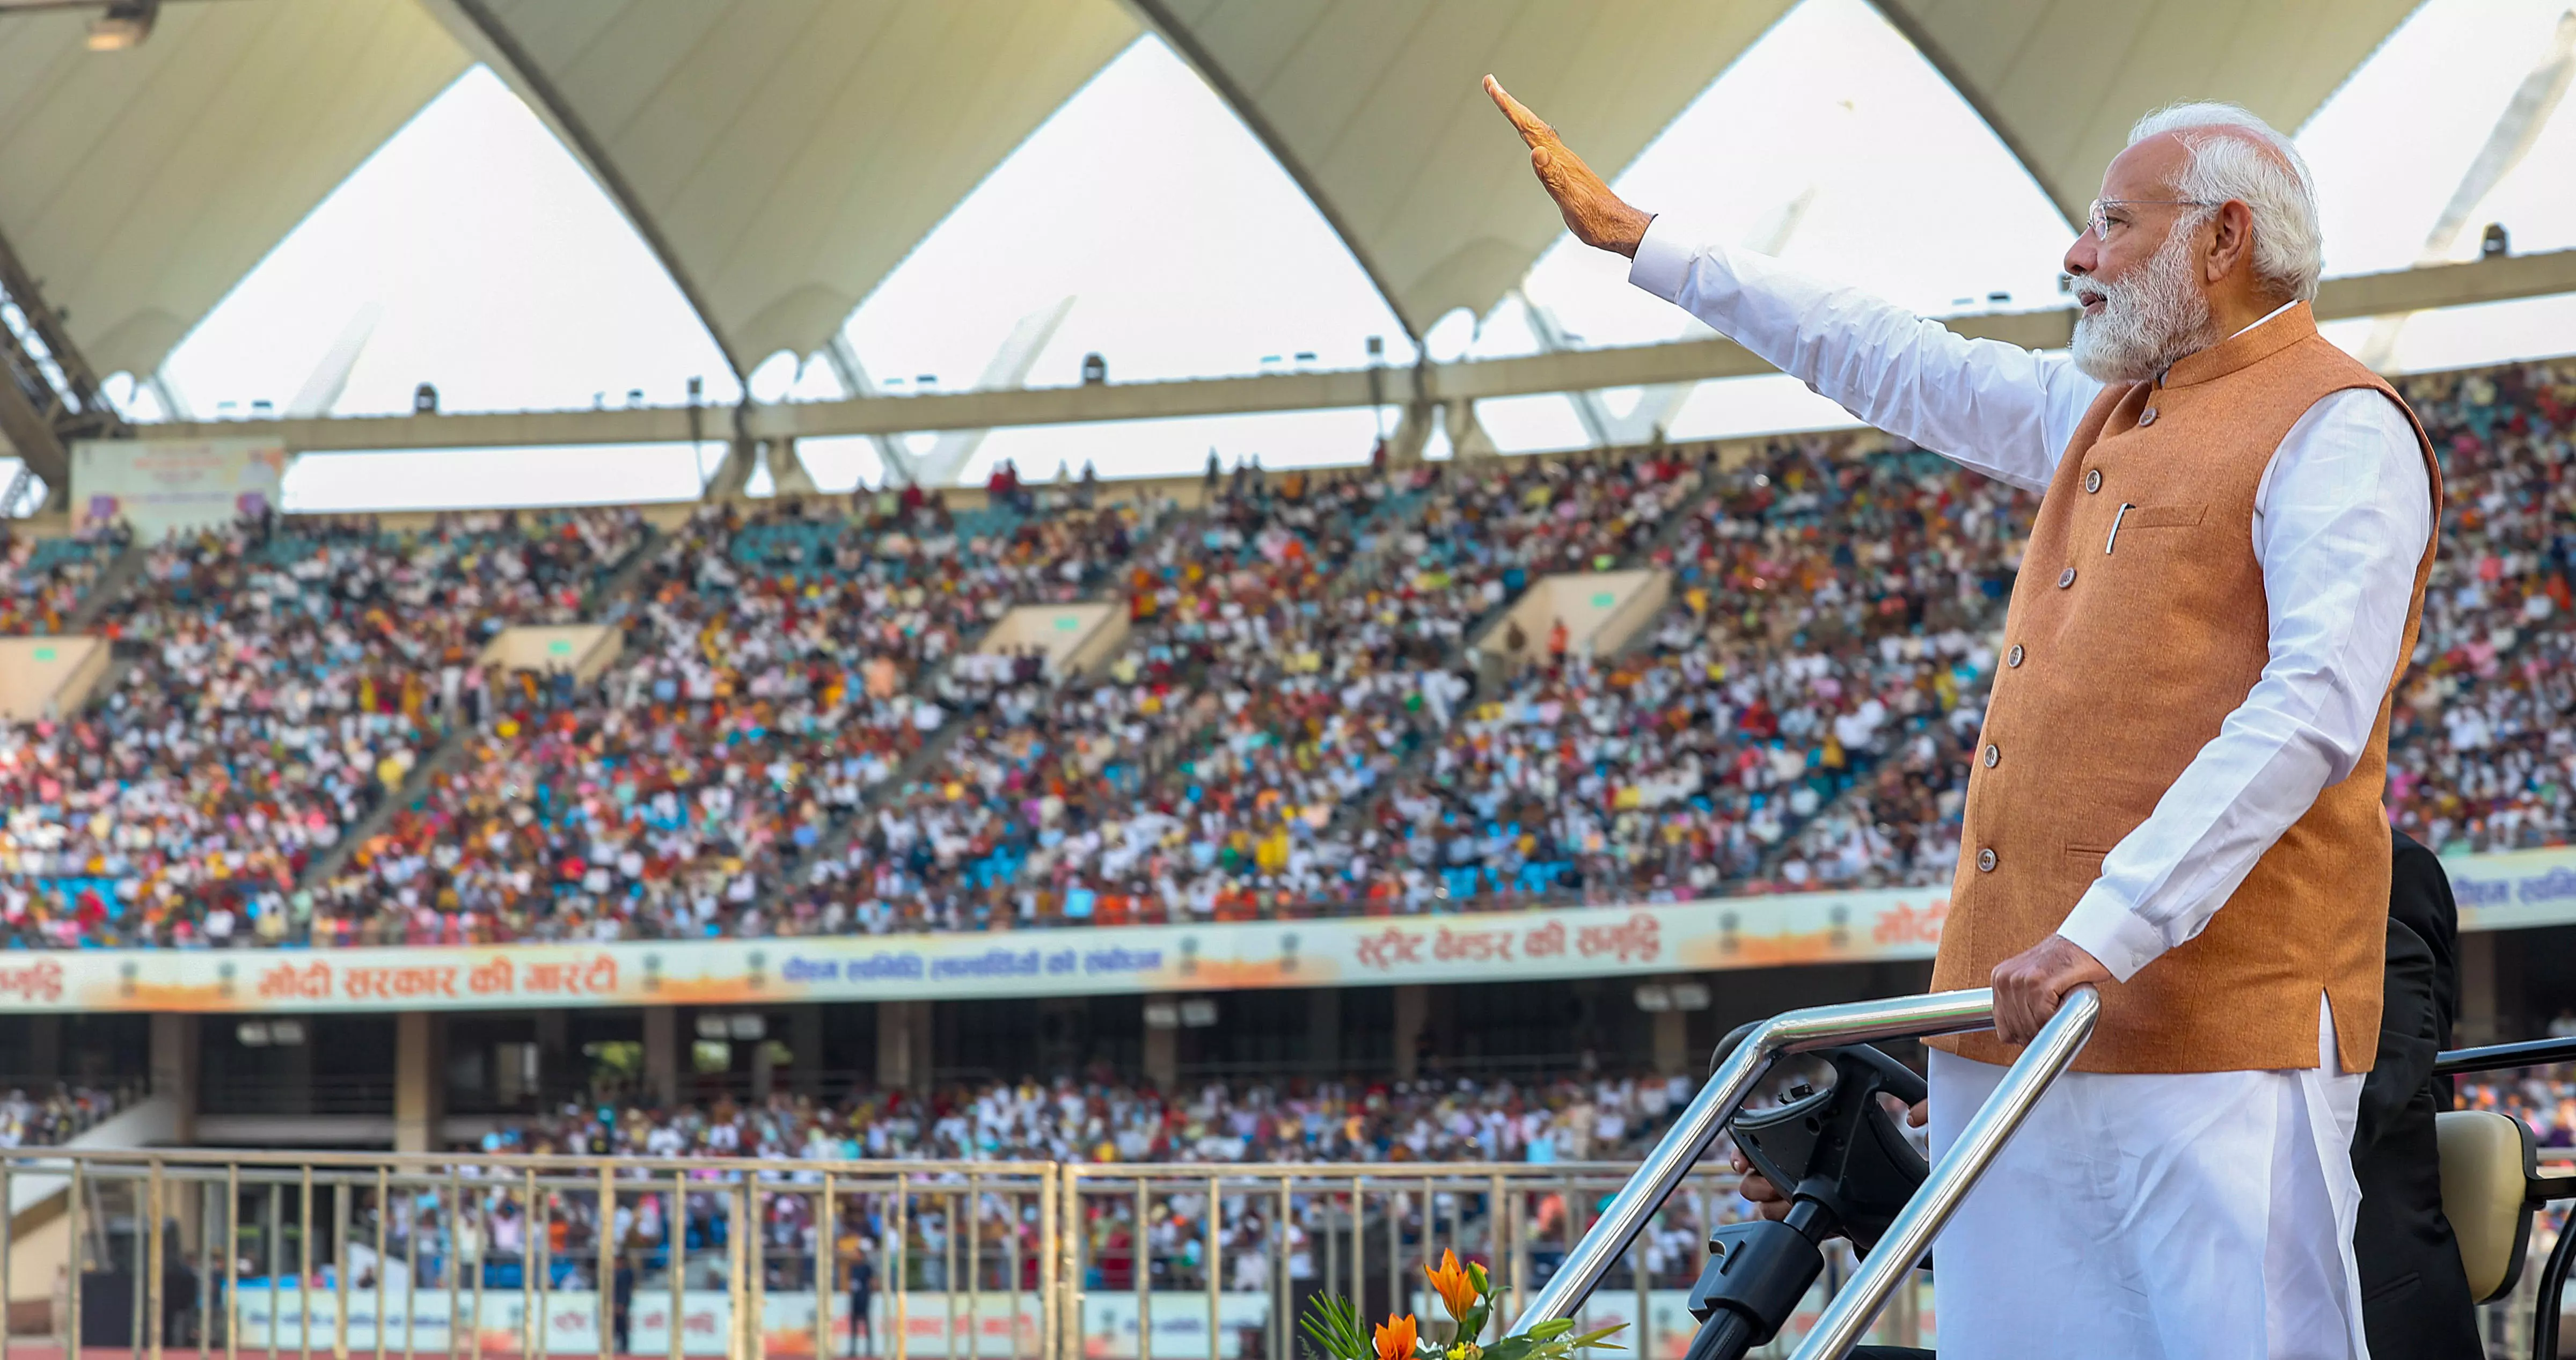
<point x="2496" y="892"/>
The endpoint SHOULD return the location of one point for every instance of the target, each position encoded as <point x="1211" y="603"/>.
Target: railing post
<point x="384" y="1215"/>
<point x="1140" y="1264"/>
<point x="77" y="1254"/>
<point x="1050" y="1265"/>
<point x="232" y="1265"/>
<point x="675" y="1236"/>
<point x="604" y="1271"/>
<point x="1212" y="1258"/>
<point x="826" y="1255"/>
<point x="902" y="1272"/>
<point x="1069" y="1236"/>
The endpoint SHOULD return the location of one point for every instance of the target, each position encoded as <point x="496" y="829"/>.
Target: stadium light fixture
<point x="124" y="26"/>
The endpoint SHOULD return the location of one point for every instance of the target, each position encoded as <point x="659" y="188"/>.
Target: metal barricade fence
<point x="1230" y="1253"/>
<point x="272" y="1254"/>
<point x="266" y="1255"/>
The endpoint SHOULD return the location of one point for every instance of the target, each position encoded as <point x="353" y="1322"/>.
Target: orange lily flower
<point x="1396" y="1339"/>
<point x="1451" y="1281"/>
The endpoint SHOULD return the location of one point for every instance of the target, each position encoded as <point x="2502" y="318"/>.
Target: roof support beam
<point x="48" y="395"/>
<point x="1684" y="361"/>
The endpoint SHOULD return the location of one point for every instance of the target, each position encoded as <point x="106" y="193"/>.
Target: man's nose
<point x="2083" y="255"/>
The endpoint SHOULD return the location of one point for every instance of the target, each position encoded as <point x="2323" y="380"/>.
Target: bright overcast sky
<point x="488" y="263"/>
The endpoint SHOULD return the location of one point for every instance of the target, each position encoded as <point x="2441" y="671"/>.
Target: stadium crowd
<point x="43" y="580"/>
<point x="798" y="734"/>
<point x="1566" y="1118"/>
<point x="274" y="681"/>
<point x="57" y="1116"/>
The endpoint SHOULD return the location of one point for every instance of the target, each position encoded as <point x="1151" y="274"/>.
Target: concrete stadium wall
<point x="585" y="648"/>
<point x="1073" y="637"/>
<point x="1601" y="610"/>
<point x="45" y="677"/>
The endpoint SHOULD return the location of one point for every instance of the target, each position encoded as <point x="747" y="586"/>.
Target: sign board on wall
<point x="2496" y="892"/>
<point x="160" y="485"/>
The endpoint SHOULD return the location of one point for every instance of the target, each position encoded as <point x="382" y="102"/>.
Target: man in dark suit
<point x="2414" y="1293"/>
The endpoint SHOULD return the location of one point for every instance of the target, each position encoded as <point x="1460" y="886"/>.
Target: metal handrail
<point x="2497" y="1057"/>
<point x="1858" y="1304"/>
<point x="1906" y="1240"/>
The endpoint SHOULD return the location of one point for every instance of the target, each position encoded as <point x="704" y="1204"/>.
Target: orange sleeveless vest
<point x="2122" y="656"/>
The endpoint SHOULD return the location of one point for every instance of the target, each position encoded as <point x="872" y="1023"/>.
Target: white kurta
<point x="2203" y="1215"/>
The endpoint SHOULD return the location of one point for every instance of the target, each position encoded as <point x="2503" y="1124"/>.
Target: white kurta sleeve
<point x="1991" y="407"/>
<point x="2340" y="524"/>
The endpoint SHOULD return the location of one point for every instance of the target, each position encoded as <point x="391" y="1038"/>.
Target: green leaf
<point x="1594" y="1338"/>
<point x="1334" y="1324"/>
<point x="1550" y="1329"/>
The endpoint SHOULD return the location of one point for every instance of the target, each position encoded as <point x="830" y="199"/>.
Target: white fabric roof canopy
<point x="140" y="186"/>
<point x="782" y="156"/>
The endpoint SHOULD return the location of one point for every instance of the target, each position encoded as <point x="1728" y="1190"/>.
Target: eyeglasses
<point x="2098" y="217"/>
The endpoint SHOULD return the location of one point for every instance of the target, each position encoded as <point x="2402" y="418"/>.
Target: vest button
<point x="1986" y="860"/>
<point x="2093" y="480"/>
<point x="2146" y="417"/>
<point x="2066" y="578"/>
<point x="1992" y="755"/>
<point x="2013" y="657"/>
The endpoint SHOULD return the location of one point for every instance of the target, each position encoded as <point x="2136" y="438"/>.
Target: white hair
<point x="2262" y="169"/>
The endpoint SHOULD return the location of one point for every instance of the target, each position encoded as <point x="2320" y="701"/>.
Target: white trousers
<point x="2206" y="1216"/>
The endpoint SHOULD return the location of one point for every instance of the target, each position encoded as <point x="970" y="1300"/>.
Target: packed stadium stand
<point x="798" y="735"/>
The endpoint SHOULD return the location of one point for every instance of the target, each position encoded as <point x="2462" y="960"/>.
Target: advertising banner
<point x="159" y="485"/>
<point x="2496" y="892"/>
<point x="935" y="1325"/>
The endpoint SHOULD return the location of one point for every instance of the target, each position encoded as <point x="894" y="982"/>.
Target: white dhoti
<point x="2205" y="1216"/>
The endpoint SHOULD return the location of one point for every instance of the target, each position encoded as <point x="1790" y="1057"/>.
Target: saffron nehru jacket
<point x="2137" y="624"/>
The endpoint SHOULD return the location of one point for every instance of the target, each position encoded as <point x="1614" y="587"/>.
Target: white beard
<point x="2148" y="320"/>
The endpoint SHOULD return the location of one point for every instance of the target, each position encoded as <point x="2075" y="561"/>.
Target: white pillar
<point x="174" y="1070"/>
<point x="662" y="1055"/>
<point x="903" y="1045"/>
<point x="1324" y="1030"/>
<point x="1412" y="1012"/>
<point x="1163" y="1058"/>
<point x="418" y="1089"/>
<point x="1672" y="1042"/>
<point x="2481" y="1020"/>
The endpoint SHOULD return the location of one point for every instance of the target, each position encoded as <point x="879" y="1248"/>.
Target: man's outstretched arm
<point x="1992" y="407"/>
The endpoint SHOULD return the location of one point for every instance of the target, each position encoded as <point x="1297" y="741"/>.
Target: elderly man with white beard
<point x="2176" y="792"/>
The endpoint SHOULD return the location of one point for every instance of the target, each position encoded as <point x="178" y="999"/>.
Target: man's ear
<point x="2231" y="242"/>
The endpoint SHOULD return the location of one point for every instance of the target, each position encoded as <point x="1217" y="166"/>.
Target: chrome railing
<point x="1858" y="1303"/>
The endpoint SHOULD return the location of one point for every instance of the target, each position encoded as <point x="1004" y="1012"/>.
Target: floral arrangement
<point x="1335" y="1327"/>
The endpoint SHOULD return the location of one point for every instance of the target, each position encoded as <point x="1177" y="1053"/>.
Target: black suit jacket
<point x="2415" y="1294"/>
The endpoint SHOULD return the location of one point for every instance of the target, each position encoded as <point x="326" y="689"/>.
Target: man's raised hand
<point x="1595" y="215"/>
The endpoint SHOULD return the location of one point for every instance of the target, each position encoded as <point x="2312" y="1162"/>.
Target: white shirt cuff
<point x="2103" y="926"/>
<point x="1663" y="262"/>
